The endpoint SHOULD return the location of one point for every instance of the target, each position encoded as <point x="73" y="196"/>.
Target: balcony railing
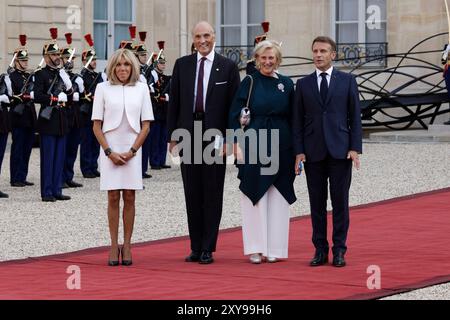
<point x="367" y="55"/>
<point x="239" y="54"/>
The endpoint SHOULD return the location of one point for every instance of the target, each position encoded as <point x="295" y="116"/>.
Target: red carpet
<point x="407" y="238"/>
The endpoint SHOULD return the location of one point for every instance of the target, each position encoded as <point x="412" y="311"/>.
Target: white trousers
<point x="265" y="226"/>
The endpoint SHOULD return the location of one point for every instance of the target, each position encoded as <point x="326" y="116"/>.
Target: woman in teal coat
<point x="267" y="188"/>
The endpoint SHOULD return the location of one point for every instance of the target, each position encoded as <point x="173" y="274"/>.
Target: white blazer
<point x="111" y="100"/>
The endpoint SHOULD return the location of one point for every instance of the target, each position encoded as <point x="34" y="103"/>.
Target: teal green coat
<point x="271" y="106"/>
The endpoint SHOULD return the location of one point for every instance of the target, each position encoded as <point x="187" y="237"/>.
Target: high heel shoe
<point x="126" y="262"/>
<point x="256" y="258"/>
<point x="114" y="263"/>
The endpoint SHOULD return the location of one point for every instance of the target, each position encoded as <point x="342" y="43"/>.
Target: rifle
<point x="86" y="107"/>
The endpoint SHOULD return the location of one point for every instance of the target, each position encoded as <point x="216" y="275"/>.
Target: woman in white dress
<point x="122" y="113"/>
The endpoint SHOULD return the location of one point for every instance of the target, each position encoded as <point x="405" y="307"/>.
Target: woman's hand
<point x="117" y="159"/>
<point x="127" y="156"/>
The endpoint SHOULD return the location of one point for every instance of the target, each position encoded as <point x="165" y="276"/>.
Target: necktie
<point x="199" y="100"/>
<point x="324" y="87"/>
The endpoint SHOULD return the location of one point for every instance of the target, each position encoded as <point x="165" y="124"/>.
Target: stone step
<point x="439" y="128"/>
<point x="410" y="136"/>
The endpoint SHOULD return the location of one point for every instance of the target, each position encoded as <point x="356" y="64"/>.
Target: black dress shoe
<point x="3" y="195"/>
<point x="339" y="260"/>
<point x="156" y="168"/>
<point x="146" y="176"/>
<point x="48" y="199"/>
<point x="62" y="197"/>
<point x="73" y="184"/>
<point x="193" y="257"/>
<point x="320" y="258"/>
<point x="65" y="186"/>
<point x="165" y="166"/>
<point x="17" y="184"/>
<point x="28" y="183"/>
<point x="89" y="176"/>
<point x="97" y="173"/>
<point x="206" y="258"/>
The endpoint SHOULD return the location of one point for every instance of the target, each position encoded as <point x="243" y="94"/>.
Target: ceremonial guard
<point x="23" y="117"/>
<point x="52" y="90"/>
<point x="160" y="100"/>
<point x="130" y="44"/>
<point x="251" y="67"/>
<point x="73" y="115"/>
<point x="446" y="63"/>
<point x="146" y="77"/>
<point x="89" y="146"/>
<point x="5" y="127"/>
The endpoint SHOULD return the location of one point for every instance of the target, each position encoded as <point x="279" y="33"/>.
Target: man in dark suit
<point x="328" y="138"/>
<point x="202" y="88"/>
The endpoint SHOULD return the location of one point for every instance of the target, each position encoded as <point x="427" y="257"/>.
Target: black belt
<point x="199" y="115"/>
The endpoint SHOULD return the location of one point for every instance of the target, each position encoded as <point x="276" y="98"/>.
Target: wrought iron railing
<point x="239" y="54"/>
<point x="362" y="54"/>
<point x="350" y="55"/>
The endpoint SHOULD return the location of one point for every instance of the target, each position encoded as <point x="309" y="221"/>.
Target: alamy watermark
<point x="73" y="21"/>
<point x="74" y="280"/>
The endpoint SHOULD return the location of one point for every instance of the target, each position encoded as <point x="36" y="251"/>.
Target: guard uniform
<point x="52" y="92"/>
<point x="23" y="118"/>
<point x="446" y="63"/>
<point x="160" y="101"/>
<point x="73" y="116"/>
<point x="5" y="126"/>
<point x="141" y="52"/>
<point x="89" y="146"/>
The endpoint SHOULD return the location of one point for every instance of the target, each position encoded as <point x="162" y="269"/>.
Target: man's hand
<point x="299" y="158"/>
<point x="355" y="159"/>
<point x="62" y="97"/>
<point x="172" y="148"/>
<point x="65" y="78"/>
<point x="238" y="154"/>
<point x="4" y="99"/>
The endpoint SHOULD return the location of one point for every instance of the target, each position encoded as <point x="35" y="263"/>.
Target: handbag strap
<point x="249" y="91"/>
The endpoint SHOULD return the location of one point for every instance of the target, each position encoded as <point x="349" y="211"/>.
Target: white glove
<point x="4" y="98"/>
<point x="152" y="90"/>
<point x="65" y="77"/>
<point x="167" y="97"/>
<point x="80" y="84"/>
<point x="142" y="79"/>
<point x="32" y="95"/>
<point x="104" y="77"/>
<point x="76" y="96"/>
<point x="8" y="85"/>
<point x="62" y="97"/>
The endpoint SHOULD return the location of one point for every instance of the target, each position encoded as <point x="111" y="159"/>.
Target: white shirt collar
<point x="328" y="72"/>
<point x="209" y="57"/>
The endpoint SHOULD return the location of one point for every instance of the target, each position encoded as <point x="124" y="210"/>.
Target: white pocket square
<point x="219" y="83"/>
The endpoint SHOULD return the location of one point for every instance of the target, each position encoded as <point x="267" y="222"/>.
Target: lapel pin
<point x="281" y="87"/>
<point x="217" y="69"/>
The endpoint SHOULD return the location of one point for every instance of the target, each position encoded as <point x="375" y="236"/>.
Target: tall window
<point x="359" y="21"/>
<point x="111" y="21"/>
<point x="239" y="21"/>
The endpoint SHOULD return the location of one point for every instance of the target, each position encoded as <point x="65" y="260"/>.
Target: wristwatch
<point x="133" y="150"/>
<point x="108" y="151"/>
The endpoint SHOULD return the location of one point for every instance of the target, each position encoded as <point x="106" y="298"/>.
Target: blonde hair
<point x="265" y="45"/>
<point x="114" y="61"/>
